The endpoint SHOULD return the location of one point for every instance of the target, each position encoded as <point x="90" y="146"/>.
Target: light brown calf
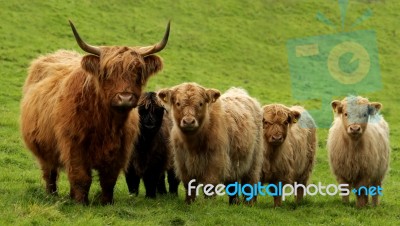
<point x="290" y="144"/>
<point x="216" y="139"/>
<point x="358" y="145"/>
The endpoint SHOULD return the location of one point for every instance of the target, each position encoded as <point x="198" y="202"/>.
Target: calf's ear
<point x="294" y="116"/>
<point x="337" y="106"/>
<point x="164" y="95"/>
<point x="374" y="107"/>
<point x="91" y="64"/>
<point x="212" y="95"/>
<point x="265" y="107"/>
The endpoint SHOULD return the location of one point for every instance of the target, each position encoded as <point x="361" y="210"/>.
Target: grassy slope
<point x="234" y="43"/>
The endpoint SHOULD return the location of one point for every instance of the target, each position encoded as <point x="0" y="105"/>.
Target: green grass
<point x="217" y="44"/>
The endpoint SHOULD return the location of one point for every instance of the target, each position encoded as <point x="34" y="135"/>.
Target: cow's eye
<point x="345" y="114"/>
<point x="201" y="104"/>
<point x="365" y="115"/>
<point x="178" y="104"/>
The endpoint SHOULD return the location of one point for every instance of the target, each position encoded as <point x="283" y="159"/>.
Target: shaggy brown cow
<point x="76" y="112"/>
<point x="290" y="143"/>
<point x="358" y="145"/>
<point x="215" y="139"/>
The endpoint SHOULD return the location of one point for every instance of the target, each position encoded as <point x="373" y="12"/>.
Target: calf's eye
<point x="178" y="104"/>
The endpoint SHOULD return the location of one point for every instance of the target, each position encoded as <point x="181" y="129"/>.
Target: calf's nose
<point x="355" y="128"/>
<point x="189" y="121"/>
<point x="277" y="138"/>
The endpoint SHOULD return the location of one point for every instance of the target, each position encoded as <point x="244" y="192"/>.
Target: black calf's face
<point x="151" y="118"/>
<point x="151" y="113"/>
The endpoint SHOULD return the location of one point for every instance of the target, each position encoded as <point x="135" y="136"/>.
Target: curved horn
<point x="85" y="47"/>
<point x="144" y="51"/>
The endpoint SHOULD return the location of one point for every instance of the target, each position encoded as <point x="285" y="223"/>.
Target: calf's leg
<point x="375" y="198"/>
<point x="132" y="180"/>
<point x="345" y="198"/>
<point x="233" y="199"/>
<point x="190" y="194"/>
<point x="362" y="196"/>
<point x="150" y="180"/>
<point x="161" y="189"/>
<point x="251" y="193"/>
<point x="277" y="198"/>
<point x="173" y="182"/>
<point x="300" y="190"/>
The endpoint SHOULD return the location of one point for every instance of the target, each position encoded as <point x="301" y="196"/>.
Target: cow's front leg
<point x="80" y="179"/>
<point x="108" y="177"/>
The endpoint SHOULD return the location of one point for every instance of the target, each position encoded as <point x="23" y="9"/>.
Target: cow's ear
<point x="212" y="95"/>
<point x="294" y="116"/>
<point x="374" y="107"/>
<point x="91" y="64"/>
<point x="153" y="64"/>
<point x="164" y="95"/>
<point x="337" y="106"/>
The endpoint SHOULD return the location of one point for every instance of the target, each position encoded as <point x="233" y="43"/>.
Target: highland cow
<point x="290" y="144"/>
<point x="76" y="112"/>
<point x="358" y="145"/>
<point x="152" y="156"/>
<point x="216" y="139"/>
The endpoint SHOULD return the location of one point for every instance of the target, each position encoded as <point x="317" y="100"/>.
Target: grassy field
<point x="218" y="44"/>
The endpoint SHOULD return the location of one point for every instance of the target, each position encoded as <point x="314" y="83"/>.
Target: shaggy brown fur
<point x="290" y="145"/>
<point x="358" y="145"/>
<point x="76" y="113"/>
<point x="215" y="139"/>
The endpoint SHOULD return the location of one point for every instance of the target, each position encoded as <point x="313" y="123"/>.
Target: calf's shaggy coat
<point x="358" y="145"/>
<point x="290" y="144"/>
<point x="76" y="112"/>
<point x="216" y="139"/>
<point x="152" y="156"/>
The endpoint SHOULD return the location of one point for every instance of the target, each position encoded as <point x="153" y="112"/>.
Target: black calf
<point x="152" y="155"/>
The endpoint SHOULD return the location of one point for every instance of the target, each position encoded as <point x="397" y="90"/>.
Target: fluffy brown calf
<point x="358" y="145"/>
<point x="290" y="144"/>
<point x="215" y="139"/>
<point x="76" y="112"/>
